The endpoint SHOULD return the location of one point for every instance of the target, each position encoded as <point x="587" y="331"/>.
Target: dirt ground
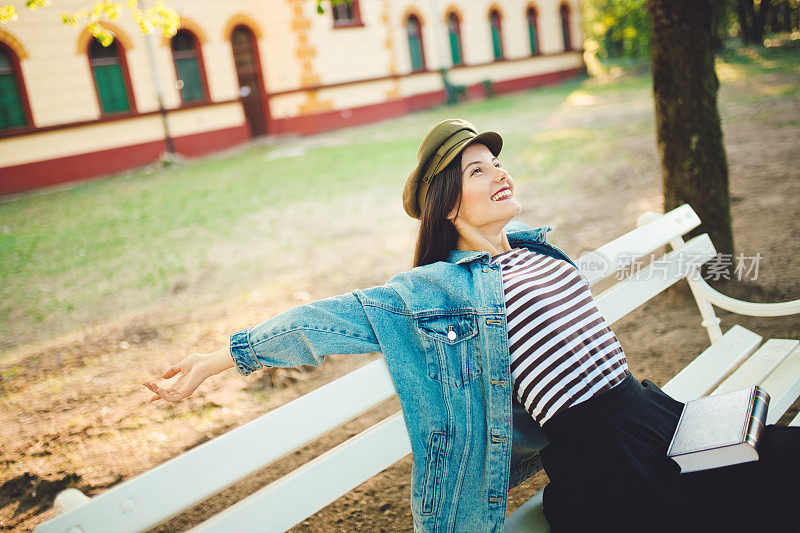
<point x="75" y="414"/>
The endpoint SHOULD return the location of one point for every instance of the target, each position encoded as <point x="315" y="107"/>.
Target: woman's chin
<point x="515" y="207"/>
<point x="510" y="211"/>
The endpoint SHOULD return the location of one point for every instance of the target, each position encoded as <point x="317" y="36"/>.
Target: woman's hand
<point x="193" y="371"/>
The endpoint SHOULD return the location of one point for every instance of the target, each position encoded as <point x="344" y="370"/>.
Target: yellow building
<point x="72" y="109"/>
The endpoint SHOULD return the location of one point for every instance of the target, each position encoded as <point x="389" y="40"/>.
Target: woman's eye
<point x="474" y="170"/>
<point x="498" y="164"/>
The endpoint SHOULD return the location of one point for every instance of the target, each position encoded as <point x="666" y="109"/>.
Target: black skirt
<point x="609" y="471"/>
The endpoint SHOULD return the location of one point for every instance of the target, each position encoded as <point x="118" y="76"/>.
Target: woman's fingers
<point x="171" y="394"/>
<point x="159" y="392"/>
<point x="190" y="372"/>
<point x="172" y="371"/>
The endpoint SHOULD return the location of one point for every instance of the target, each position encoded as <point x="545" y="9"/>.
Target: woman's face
<point x="487" y="191"/>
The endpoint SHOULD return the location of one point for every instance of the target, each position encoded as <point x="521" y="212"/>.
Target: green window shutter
<point x="455" y="48"/>
<point x="11" y="113"/>
<point x="532" y="36"/>
<point x="496" y="44"/>
<point x="416" y="52"/>
<point x="111" y="88"/>
<point x="189" y="73"/>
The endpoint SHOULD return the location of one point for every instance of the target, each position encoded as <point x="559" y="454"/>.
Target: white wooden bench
<point x="735" y="359"/>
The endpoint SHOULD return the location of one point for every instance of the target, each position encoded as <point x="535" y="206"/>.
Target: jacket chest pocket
<point x="451" y="348"/>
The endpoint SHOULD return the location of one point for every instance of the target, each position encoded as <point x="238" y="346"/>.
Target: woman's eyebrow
<point x="479" y="162"/>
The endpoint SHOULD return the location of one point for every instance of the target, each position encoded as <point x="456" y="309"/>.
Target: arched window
<point x="565" y="27"/>
<point x="188" y="58"/>
<point x="454" y="32"/>
<point x="414" y="29"/>
<point x="346" y="14"/>
<point x="13" y="102"/>
<point x="533" y="30"/>
<point x="111" y="77"/>
<point x="497" y="35"/>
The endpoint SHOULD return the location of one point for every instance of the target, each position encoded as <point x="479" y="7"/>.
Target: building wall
<point x="316" y="77"/>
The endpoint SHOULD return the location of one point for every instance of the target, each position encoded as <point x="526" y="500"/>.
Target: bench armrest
<point x="746" y="308"/>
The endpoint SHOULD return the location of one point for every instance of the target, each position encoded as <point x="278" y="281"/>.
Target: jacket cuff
<point x="243" y="355"/>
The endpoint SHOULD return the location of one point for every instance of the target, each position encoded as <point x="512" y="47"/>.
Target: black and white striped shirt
<point x="562" y="349"/>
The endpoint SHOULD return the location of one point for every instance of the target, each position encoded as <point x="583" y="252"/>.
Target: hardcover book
<point x="720" y="430"/>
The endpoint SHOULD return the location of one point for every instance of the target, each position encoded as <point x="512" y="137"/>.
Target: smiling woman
<point x="497" y="351"/>
<point x="487" y="200"/>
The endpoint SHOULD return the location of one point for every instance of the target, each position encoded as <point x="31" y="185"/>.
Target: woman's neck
<point x="475" y="240"/>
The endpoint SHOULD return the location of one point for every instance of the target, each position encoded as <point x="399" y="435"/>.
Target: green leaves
<point x="321" y="10"/>
<point x="7" y="14"/>
<point x="159" y="17"/>
<point x="618" y="28"/>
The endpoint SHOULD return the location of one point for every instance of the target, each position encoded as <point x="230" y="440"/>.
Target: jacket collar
<point x="519" y="236"/>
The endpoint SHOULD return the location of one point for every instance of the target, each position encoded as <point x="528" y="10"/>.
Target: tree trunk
<point x="694" y="168"/>
<point x="786" y="16"/>
<point x="764" y="8"/>
<point x="746" y="14"/>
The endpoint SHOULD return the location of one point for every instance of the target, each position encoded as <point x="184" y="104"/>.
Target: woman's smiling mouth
<point x="502" y="194"/>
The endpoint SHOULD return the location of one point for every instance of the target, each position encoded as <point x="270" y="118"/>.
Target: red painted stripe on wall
<point x="330" y="120"/>
<point x="198" y="144"/>
<point x="28" y="176"/>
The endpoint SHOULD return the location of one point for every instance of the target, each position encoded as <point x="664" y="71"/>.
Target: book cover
<point x="720" y="430"/>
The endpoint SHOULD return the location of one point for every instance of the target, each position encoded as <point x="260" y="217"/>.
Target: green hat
<point x="441" y="145"/>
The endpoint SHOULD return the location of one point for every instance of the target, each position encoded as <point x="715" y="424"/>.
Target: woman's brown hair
<point x="437" y="234"/>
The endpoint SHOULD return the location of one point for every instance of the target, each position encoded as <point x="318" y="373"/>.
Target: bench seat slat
<point x="627" y="295"/>
<point x="215" y="464"/>
<point x="758" y="366"/>
<point x="712" y="366"/>
<point x="289" y="500"/>
<point x="529" y="517"/>
<point x="783" y="386"/>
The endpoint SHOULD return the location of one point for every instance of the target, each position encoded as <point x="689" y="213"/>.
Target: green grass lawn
<point x="76" y="256"/>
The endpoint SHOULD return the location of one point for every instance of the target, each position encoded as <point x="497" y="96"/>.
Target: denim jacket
<point x="442" y="330"/>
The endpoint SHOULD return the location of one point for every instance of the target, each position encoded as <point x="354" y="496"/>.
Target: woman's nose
<point x="500" y="175"/>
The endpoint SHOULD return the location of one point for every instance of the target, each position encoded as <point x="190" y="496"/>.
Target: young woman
<point x="496" y="348"/>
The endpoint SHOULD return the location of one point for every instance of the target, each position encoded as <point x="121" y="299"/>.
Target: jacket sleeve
<point x="305" y="334"/>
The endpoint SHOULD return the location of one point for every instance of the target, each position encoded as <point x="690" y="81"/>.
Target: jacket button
<point x="451" y="335"/>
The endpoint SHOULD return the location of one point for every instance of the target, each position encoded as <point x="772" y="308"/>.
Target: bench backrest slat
<point x="605" y="261"/>
<point x="291" y="499"/>
<point x="151" y="497"/>
<point x="627" y="295"/>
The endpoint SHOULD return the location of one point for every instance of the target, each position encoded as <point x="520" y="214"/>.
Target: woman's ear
<point x="453" y="214"/>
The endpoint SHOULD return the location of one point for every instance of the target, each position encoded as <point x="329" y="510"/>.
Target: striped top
<point x="562" y="349"/>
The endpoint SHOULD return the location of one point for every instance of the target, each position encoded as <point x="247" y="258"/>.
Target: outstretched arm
<point x="303" y="335"/>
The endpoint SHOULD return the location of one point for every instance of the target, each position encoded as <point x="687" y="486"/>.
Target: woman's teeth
<point x="501" y="195"/>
